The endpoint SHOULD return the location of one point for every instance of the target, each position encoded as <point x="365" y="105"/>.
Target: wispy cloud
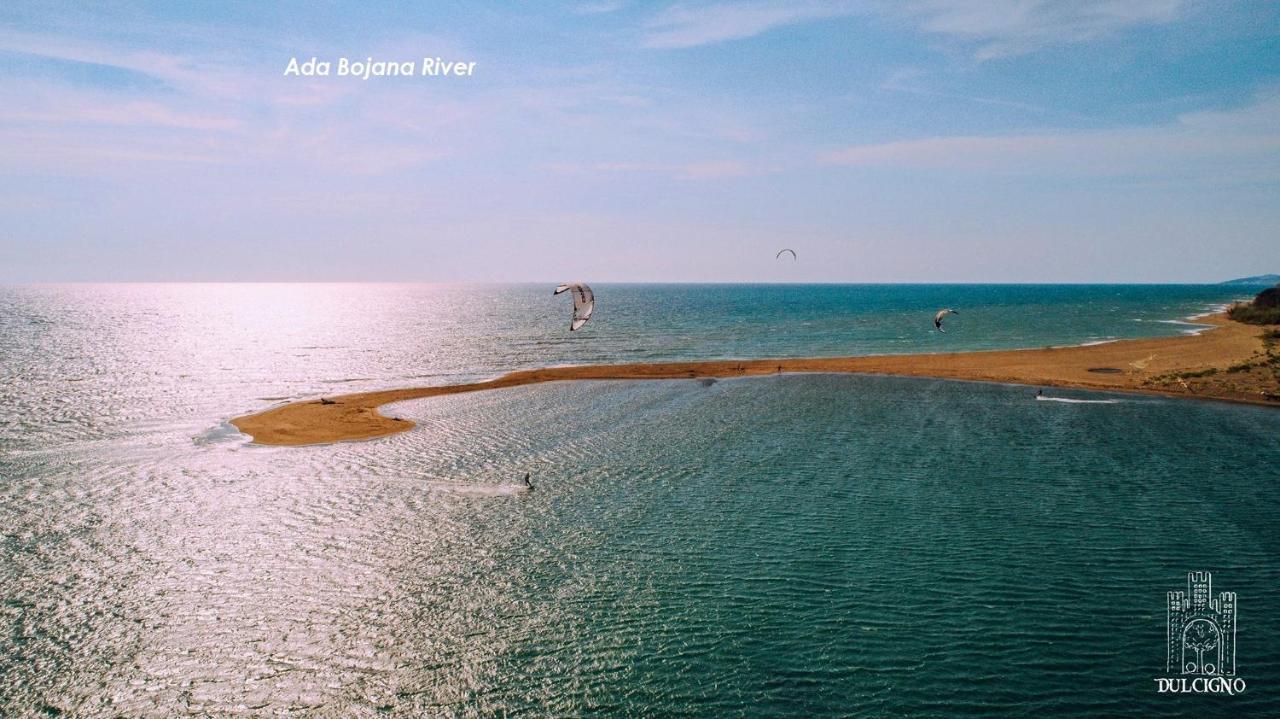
<point x="47" y="105"/>
<point x="178" y="72"/>
<point x="1197" y="143"/>
<point x="1014" y="27"/>
<point x="252" y="117"/>
<point x="599" y="8"/>
<point x="684" y="26"/>
<point x="707" y="170"/>
<point x="1000" y="28"/>
<point x="911" y="81"/>
<point x="212" y="108"/>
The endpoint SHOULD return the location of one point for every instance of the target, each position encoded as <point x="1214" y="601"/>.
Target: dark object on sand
<point x="527" y="483"/>
<point x="1105" y="370"/>
<point x="327" y="401"/>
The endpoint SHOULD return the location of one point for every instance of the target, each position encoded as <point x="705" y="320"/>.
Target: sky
<point x="618" y="140"/>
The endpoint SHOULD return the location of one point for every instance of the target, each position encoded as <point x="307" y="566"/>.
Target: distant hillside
<point x="1255" y="280"/>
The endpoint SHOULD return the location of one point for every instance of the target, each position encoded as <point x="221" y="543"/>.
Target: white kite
<point x="584" y="301"/>
<point x="937" y="319"/>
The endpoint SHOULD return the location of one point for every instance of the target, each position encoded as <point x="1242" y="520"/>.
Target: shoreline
<point x="1229" y="362"/>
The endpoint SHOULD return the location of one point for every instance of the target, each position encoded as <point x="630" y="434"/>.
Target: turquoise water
<point x="805" y="545"/>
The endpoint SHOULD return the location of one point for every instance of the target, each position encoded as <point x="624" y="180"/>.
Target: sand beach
<point x="1229" y="362"/>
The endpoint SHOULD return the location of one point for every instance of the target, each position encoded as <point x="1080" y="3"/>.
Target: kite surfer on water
<point x="937" y="319"/>
<point x="584" y="303"/>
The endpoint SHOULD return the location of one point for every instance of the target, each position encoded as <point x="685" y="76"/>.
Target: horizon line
<point x="626" y="282"/>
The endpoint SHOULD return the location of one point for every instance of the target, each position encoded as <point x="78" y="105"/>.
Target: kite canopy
<point x="785" y="249"/>
<point x="937" y="319"/>
<point x="584" y="301"/>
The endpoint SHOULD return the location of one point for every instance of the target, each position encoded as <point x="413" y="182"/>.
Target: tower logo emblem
<point x="1201" y="640"/>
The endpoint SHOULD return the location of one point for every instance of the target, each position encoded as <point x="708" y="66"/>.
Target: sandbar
<point x="1233" y="362"/>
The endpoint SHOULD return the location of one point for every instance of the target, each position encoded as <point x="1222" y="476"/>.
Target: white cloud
<point x="45" y="105"/>
<point x="911" y="81"/>
<point x="599" y="8"/>
<point x="1000" y="27"/>
<point x="706" y="170"/>
<point x="689" y="26"/>
<point x="1204" y="143"/>
<point x="1013" y="27"/>
<point x="213" y="110"/>
<point x="181" y="73"/>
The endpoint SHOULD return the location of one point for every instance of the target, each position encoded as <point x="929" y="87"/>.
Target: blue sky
<point x="607" y="140"/>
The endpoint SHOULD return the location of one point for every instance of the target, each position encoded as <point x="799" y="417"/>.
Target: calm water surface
<point x="797" y="545"/>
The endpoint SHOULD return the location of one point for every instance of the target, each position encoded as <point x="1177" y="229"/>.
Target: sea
<point x="795" y="545"/>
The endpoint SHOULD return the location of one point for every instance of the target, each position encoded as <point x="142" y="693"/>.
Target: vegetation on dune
<point x="1257" y="377"/>
<point x="1255" y="316"/>
<point x="1264" y="310"/>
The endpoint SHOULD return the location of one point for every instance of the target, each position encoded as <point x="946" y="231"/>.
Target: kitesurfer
<point x="937" y="319"/>
<point x="584" y="303"/>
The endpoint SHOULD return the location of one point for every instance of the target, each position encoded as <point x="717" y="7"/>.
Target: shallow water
<point x="807" y="544"/>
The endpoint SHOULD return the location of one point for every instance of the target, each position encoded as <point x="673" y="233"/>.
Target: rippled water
<point x="795" y="545"/>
